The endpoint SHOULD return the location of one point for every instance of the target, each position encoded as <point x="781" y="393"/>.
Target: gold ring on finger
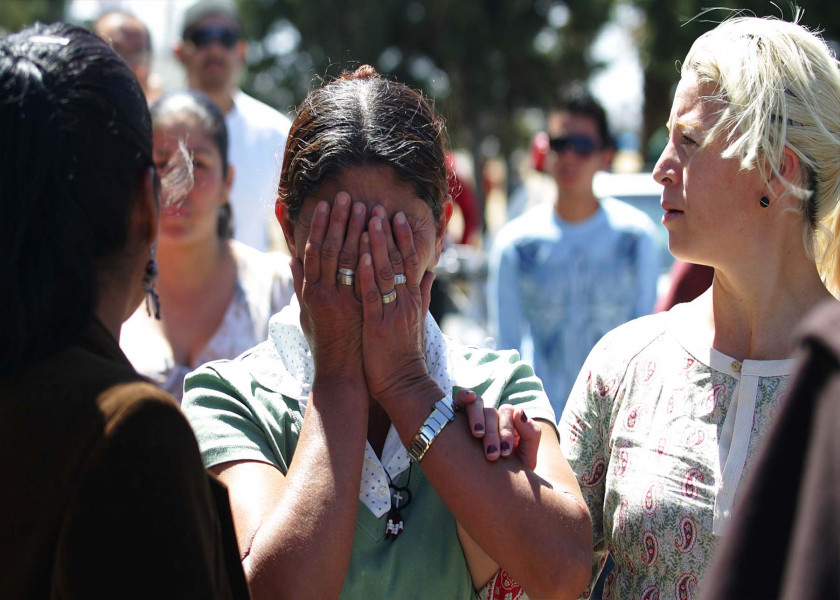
<point x="345" y="276"/>
<point x="389" y="297"/>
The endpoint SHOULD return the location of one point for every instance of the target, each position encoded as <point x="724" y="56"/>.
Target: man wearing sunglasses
<point x="566" y="272"/>
<point x="213" y="53"/>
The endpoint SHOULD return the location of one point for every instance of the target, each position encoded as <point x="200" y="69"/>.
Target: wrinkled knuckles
<point x="386" y="273"/>
<point x="373" y="296"/>
<point x="330" y="250"/>
<point x="395" y="256"/>
<point x="412" y="260"/>
<point x="347" y="258"/>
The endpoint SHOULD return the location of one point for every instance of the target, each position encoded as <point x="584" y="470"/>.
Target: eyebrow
<point x="686" y="123"/>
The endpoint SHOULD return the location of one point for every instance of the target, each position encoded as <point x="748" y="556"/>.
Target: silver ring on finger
<point x="389" y="297"/>
<point x="399" y="278"/>
<point x="345" y="276"/>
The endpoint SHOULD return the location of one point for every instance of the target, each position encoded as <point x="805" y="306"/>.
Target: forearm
<point x="303" y="547"/>
<point x="536" y="527"/>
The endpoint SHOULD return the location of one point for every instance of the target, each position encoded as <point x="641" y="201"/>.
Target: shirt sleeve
<point x="504" y="310"/>
<point x="234" y="419"/>
<point x="507" y="380"/>
<point x="583" y="438"/>
<point x="143" y="521"/>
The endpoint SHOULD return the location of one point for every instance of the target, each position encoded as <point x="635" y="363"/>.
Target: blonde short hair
<point x="779" y="84"/>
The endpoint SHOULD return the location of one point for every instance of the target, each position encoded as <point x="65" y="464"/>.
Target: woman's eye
<point x="688" y="140"/>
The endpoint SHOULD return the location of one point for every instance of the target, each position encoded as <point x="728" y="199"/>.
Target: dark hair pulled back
<point x="360" y="119"/>
<point x="76" y="140"/>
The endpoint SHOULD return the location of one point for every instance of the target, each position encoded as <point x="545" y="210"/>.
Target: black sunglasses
<point x="579" y="144"/>
<point x="204" y="36"/>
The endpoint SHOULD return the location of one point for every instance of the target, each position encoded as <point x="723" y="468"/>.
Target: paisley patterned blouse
<point x="660" y="432"/>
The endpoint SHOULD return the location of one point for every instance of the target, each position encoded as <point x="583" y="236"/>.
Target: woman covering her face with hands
<point x="351" y="468"/>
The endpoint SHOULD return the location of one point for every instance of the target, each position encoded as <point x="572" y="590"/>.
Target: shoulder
<point x="141" y="408"/>
<point x="624" y="216"/>
<point x="252" y="262"/>
<point x="263" y="276"/>
<point x="533" y="224"/>
<point x="236" y="375"/>
<point x="822" y="325"/>
<point x="261" y="114"/>
<point x="248" y="408"/>
<point x="619" y="348"/>
<point x="500" y="377"/>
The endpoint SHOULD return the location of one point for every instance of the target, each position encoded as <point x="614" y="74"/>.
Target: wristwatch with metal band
<point x="442" y="413"/>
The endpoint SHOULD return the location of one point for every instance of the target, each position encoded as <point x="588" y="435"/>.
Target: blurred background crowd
<point x="493" y="69"/>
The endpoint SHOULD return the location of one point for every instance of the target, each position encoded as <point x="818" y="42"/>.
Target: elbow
<point x="263" y="586"/>
<point x="565" y="581"/>
<point x="268" y="582"/>
<point x="568" y="572"/>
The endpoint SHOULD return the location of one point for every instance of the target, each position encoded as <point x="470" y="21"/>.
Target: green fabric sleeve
<point x="236" y="419"/>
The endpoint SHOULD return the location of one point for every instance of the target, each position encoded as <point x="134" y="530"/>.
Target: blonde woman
<point x="668" y="412"/>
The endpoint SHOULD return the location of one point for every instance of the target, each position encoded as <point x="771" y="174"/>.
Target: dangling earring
<point x="149" y="277"/>
<point x="764" y="202"/>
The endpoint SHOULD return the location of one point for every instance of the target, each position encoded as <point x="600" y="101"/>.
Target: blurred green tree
<point x="672" y="25"/>
<point x="14" y="14"/>
<point x="482" y="62"/>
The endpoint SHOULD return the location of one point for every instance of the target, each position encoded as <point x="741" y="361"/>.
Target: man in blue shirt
<point x="564" y="273"/>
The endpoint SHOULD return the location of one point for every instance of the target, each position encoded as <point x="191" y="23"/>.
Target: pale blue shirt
<point x="555" y="287"/>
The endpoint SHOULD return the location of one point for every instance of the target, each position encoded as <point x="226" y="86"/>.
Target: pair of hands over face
<point x="357" y="338"/>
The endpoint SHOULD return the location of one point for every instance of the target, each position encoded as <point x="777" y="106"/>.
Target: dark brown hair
<point x="358" y="119"/>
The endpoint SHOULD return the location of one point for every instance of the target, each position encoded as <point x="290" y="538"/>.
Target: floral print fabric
<point x="660" y="432"/>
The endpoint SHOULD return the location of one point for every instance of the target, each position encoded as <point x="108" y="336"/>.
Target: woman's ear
<point x="789" y="172"/>
<point x="443" y="222"/>
<point x="281" y="211"/>
<point x="146" y="210"/>
<point x="229" y="177"/>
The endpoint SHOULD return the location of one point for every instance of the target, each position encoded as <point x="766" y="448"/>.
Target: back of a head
<point x="779" y="85"/>
<point x="364" y="119"/>
<point x="76" y="140"/>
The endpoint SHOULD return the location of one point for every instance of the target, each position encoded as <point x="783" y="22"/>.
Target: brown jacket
<point x="103" y="491"/>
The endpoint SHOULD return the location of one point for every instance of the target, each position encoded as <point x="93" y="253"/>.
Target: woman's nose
<point x="665" y="171"/>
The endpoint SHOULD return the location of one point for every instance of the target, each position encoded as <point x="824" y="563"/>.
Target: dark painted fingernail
<point x="524" y="418"/>
<point x="505" y="447"/>
<point x="491" y="449"/>
<point x="478" y="427"/>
